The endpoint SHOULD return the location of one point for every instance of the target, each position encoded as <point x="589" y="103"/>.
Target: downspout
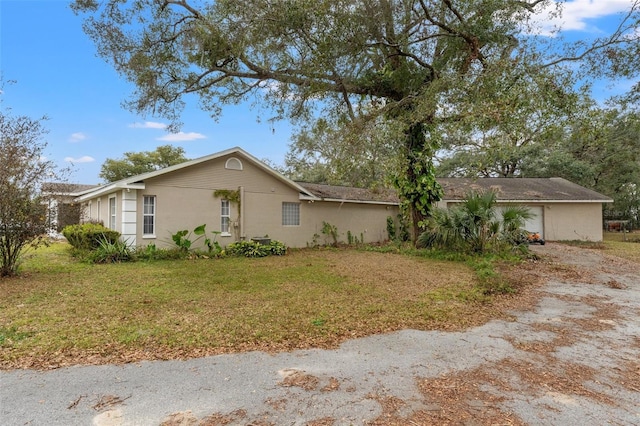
<point x="242" y="203"/>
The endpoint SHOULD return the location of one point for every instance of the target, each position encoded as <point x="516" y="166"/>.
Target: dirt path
<point x="573" y="357"/>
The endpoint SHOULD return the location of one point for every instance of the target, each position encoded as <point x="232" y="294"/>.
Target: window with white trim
<point x="112" y="213"/>
<point x="98" y="209"/>
<point x="225" y="217"/>
<point x="290" y="214"/>
<point x="149" y="215"/>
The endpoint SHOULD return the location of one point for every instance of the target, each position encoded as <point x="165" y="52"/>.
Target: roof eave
<point x="528" y="201"/>
<point x="108" y="189"/>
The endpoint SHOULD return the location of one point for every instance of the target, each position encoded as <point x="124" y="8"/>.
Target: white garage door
<point x="535" y="224"/>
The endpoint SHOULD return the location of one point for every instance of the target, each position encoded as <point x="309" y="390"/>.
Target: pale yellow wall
<point x="362" y="220"/>
<point x="90" y="211"/>
<point x="567" y="221"/>
<point x="184" y="200"/>
<point x="573" y="221"/>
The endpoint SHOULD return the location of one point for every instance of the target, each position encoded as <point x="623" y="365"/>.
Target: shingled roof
<point x="521" y="189"/>
<point x="65" y="188"/>
<point x="506" y="189"/>
<point x="352" y="194"/>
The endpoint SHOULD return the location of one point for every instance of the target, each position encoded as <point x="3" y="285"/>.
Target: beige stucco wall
<point x="573" y="221"/>
<point x="97" y="209"/>
<point x="566" y="221"/>
<point x="184" y="200"/>
<point x="363" y="221"/>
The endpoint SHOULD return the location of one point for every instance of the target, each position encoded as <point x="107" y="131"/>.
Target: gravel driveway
<point x="573" y="358"/>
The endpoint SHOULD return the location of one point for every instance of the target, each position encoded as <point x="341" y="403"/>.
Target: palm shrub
<point x="475" y="226"/>
<point x="110" y="251"/>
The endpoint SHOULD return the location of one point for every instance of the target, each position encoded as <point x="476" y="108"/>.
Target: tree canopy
<point x="419" y="64"/>
<point x="135" y="163"/>
<point x="333" y="154"/>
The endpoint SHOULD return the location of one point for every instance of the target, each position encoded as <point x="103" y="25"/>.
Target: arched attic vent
<point x="233" y="164"/>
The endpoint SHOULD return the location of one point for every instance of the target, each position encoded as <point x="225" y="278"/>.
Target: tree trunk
<point x="418" y="188"/>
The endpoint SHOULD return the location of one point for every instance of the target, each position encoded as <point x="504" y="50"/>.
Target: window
<point x="98" y="209"/>
<point x="149" y="215"/>
<point x="290" y="214"/>
<point x="225" y="214"/>
<point x="112" y="213"/>
<point x="233" y="164"/>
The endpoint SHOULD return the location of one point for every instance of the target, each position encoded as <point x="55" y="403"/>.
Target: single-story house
<point x="239" y="196"/>
<point x="242" y="198"/>
<point x="562" y="210"/>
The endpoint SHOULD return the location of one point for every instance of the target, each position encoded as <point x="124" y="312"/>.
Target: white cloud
<point x="77" y="137"/>
<point x="181" y="137"/>
<point x="575" y="14"/>
<point x="148" y="125"/>
<point x="83" y="159"/>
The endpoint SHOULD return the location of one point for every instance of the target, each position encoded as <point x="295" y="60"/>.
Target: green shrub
<point x="87" y="236"/>
<point x="111" y="252"/>
<point x="391" y="228"/>
<point x="248" y="249"/>
<point x="277" y="248"/>
<point x="254" y="249"/>
<point x="330" y="231"/>
<point x="151" y="252"/>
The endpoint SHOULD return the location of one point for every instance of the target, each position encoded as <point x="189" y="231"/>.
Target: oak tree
<point x="415" y="63"/>
<point x="135" y="163"/>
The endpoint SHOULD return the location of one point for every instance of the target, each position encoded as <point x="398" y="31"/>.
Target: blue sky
<point x="58" y="74"/>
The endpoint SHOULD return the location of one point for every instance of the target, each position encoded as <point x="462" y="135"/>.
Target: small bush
<point x="88" y="236"/>
<point x="277" y="248"/>
<point x="151" y="252"/>
<point x="110" y="252"/>
<point x="254" y="249"/>
<point x="248" y="249"/>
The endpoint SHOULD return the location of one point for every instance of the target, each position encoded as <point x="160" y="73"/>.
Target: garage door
<point x="536" y="223"/>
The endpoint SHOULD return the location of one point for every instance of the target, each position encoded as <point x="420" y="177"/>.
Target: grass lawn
<point x="61" y="312"/>
<point x="623" y="245"/>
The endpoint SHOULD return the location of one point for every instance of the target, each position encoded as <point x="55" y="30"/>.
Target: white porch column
<point x="129" y="215"/>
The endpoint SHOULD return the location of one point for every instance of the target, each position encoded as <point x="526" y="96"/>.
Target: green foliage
<point x="418" y="68"/>
<point x="227" y="194"/>
<point x="330" y="231"/>
<point x="255" y="249"/>
<point x="391" y="228"/>
<point x="325" y="151"/>
<point x="110" y="252"/>
<point x="472" y="227"/>
<point x="135" y="163"/>
<point x="151" y="252"/>
<point x="23" y="170"/>
<point x="183" y="240"/>
<point x="277" y="248"/>
<point x="247" y="249"/>
<point x="89" y="236"/>
<point x="417" y="185"/>
<point x="598" y="149"/>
